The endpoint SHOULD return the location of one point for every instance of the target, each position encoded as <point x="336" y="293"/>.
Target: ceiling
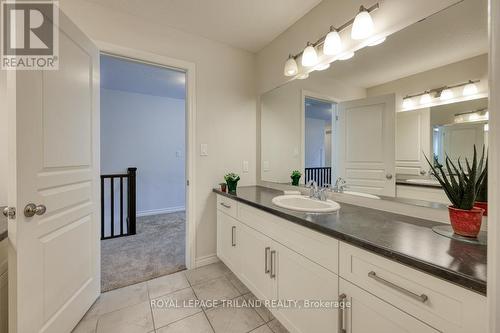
<point x="136" y="77"/>
<point x="452" y="35"/>
<point x="252" y="24"/>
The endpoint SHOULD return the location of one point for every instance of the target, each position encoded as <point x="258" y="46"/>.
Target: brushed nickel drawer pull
<point x="233" y="236"/>
<point x="266" y="259"/>
<point x="341" y="313"/>
<point x="225" y="205"/>
<point x="273" y="265"/>
<point x="421" y="298"/>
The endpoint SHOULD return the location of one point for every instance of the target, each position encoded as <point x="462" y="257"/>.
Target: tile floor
<point x="141" y="308"/>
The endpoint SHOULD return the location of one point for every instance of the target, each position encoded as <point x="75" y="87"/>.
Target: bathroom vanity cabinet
<point x="281" y="260"/>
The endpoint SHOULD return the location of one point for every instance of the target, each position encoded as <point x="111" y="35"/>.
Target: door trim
<point x="190" y="69"/>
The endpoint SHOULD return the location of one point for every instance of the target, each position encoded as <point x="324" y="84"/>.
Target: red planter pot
<point x="466" y="222"/>
<point x="483" y="205"/>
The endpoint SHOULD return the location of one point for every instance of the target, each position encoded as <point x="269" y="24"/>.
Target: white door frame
<point x="190" y="69"/>
<point x="494" y="169"/>
<point x="311" y="94"/>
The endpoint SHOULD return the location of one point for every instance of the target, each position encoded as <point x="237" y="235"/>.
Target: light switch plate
<point x="203" y="149"/>
<point x="245" y="166"/>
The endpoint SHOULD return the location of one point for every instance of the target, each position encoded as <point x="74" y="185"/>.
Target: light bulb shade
<point x="446" y="94"/>
<point x="321" y="67"/>
<point x="309" y="57"/>
<point x="363" y="25"/>
<point x="303" y="76"/>
<point x="407" y="103"/>
<point x="291" y="68"/>
<point x="470" y="89"/>
<point x="425" y="98"/>
<point x="377" y="41"/>
<point x="333" y="43"/>
<point x="346" y="56"/>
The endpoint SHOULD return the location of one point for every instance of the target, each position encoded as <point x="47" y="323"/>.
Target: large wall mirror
<point x="371" y="119"/>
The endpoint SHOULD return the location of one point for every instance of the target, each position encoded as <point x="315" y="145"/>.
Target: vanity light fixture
<point x="407" y="102"/>
<point x="291" y="68"/>
<point x="302" y="76"/>
<point x="309" y="56"/>
<point x="362" y="26"/>
<point x="470" y="89"/>
<point x="472" y="116"/>
<point x="331" y="43"/>
<point x="322" y="67"/>
<point x="425" y="98"/>
<point x="446" y="94"/>
<point x="346" y="56"/>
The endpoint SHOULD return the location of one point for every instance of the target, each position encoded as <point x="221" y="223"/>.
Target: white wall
<point x="225" y="99"/>
<point x="314" y="142"/>
<point x="147" y="132"/>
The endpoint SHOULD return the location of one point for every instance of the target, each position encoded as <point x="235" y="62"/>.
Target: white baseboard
<point x="160" y="211"/>
<point x="206" y="260"/>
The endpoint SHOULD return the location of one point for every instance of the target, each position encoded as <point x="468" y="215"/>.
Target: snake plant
<point x="460" y="184"/>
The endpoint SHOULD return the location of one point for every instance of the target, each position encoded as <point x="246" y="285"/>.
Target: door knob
<point x="9" y="212"/>
<point x="31" y="210"/>
<point x="388" y="176"/>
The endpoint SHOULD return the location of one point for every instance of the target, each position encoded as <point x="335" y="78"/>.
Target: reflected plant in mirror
<point x="296" y="174"/>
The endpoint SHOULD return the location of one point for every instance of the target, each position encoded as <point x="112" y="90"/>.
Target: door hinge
<point x="337" y="118"/>
<point x="187" y="182"/>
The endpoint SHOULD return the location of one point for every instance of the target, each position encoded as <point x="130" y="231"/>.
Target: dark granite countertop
<point x="3" y="226"/>
<point x="403" y="180"/>
<point x="401" y="238"/>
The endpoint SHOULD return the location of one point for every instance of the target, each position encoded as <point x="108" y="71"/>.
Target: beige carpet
<point x="157" y="249"/>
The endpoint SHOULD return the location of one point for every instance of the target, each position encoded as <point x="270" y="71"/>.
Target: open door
<point x="366" y="144"/>
<point x="54" y="266"/>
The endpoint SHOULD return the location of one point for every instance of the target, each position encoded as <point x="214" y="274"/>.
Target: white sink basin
<point x="301" y="203"/>
<point x="423" y="181"/>
<point x="360" y="194"/>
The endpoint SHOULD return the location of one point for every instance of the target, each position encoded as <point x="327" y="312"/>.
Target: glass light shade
<point x="470" y="89"/>
<point x="291" y="68"/>
<point x="303" y="76"/>
<point x="363" y="25"/>
<point x="321" y="67"/>
<point x="346" y="56"/>
<point x="425" y="98"/>
<point x="309" y="56"/>
<point x="446" y="94"/>
<point x="333" y="43"/>
<point x="407" y="103"/>
<point x="377" y="41"/>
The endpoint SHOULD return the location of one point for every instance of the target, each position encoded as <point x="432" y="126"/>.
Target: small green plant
<point x="231" y="177"/>
<point x="296" y="173"/>
<point x="482" y="194"/>
<point x="460" y="185"/>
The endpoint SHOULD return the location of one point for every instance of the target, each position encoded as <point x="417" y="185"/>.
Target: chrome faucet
<point x="340" y="185"/>
<point x="316" y="192"/>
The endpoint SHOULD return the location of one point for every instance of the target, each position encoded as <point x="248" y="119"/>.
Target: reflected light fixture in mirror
<point x="333" y="43"/>
<point x="302" y="76"/>
<point x="309" y="56"/>
<point x="291" y="68"/>
<point x="486" y="127"/>
<point x="407" y="103"/>
<point x="425" y="98"/>
<point x="346" y="56"/>
<point x="470" y="89"/>
<point x="362" y="26"/>
<point x="446" y="94"/>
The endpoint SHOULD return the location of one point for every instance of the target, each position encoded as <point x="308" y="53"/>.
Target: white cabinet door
<point x="369" y="314"/>
<point x="228" y="246"/>
<point x="366" y="145"/>
<point x="54" y="161"/>
<point x="303" y="280"/>
<point x="258" y="253"/>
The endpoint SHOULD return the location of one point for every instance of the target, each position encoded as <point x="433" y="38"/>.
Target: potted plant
<point x="461" y="187"/>
<point x="296" y="174"/>
<point x="482" y="194"/>
<point x="231" y="181"/>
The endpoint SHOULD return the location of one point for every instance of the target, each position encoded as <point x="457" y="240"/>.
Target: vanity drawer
<point x="440" y="304"/>
<point x="226" y="205"/>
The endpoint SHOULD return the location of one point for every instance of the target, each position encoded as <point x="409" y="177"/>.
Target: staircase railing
<point x="322" y="175"/>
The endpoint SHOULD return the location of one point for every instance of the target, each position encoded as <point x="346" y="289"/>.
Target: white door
<point x="366" y="145"/>
<point x="228" y="245"/>
<point x="258" y="268"/>
<point x="365" y="313"/>
<point x="303" y="280"/>
<point x="54" y="263"/>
